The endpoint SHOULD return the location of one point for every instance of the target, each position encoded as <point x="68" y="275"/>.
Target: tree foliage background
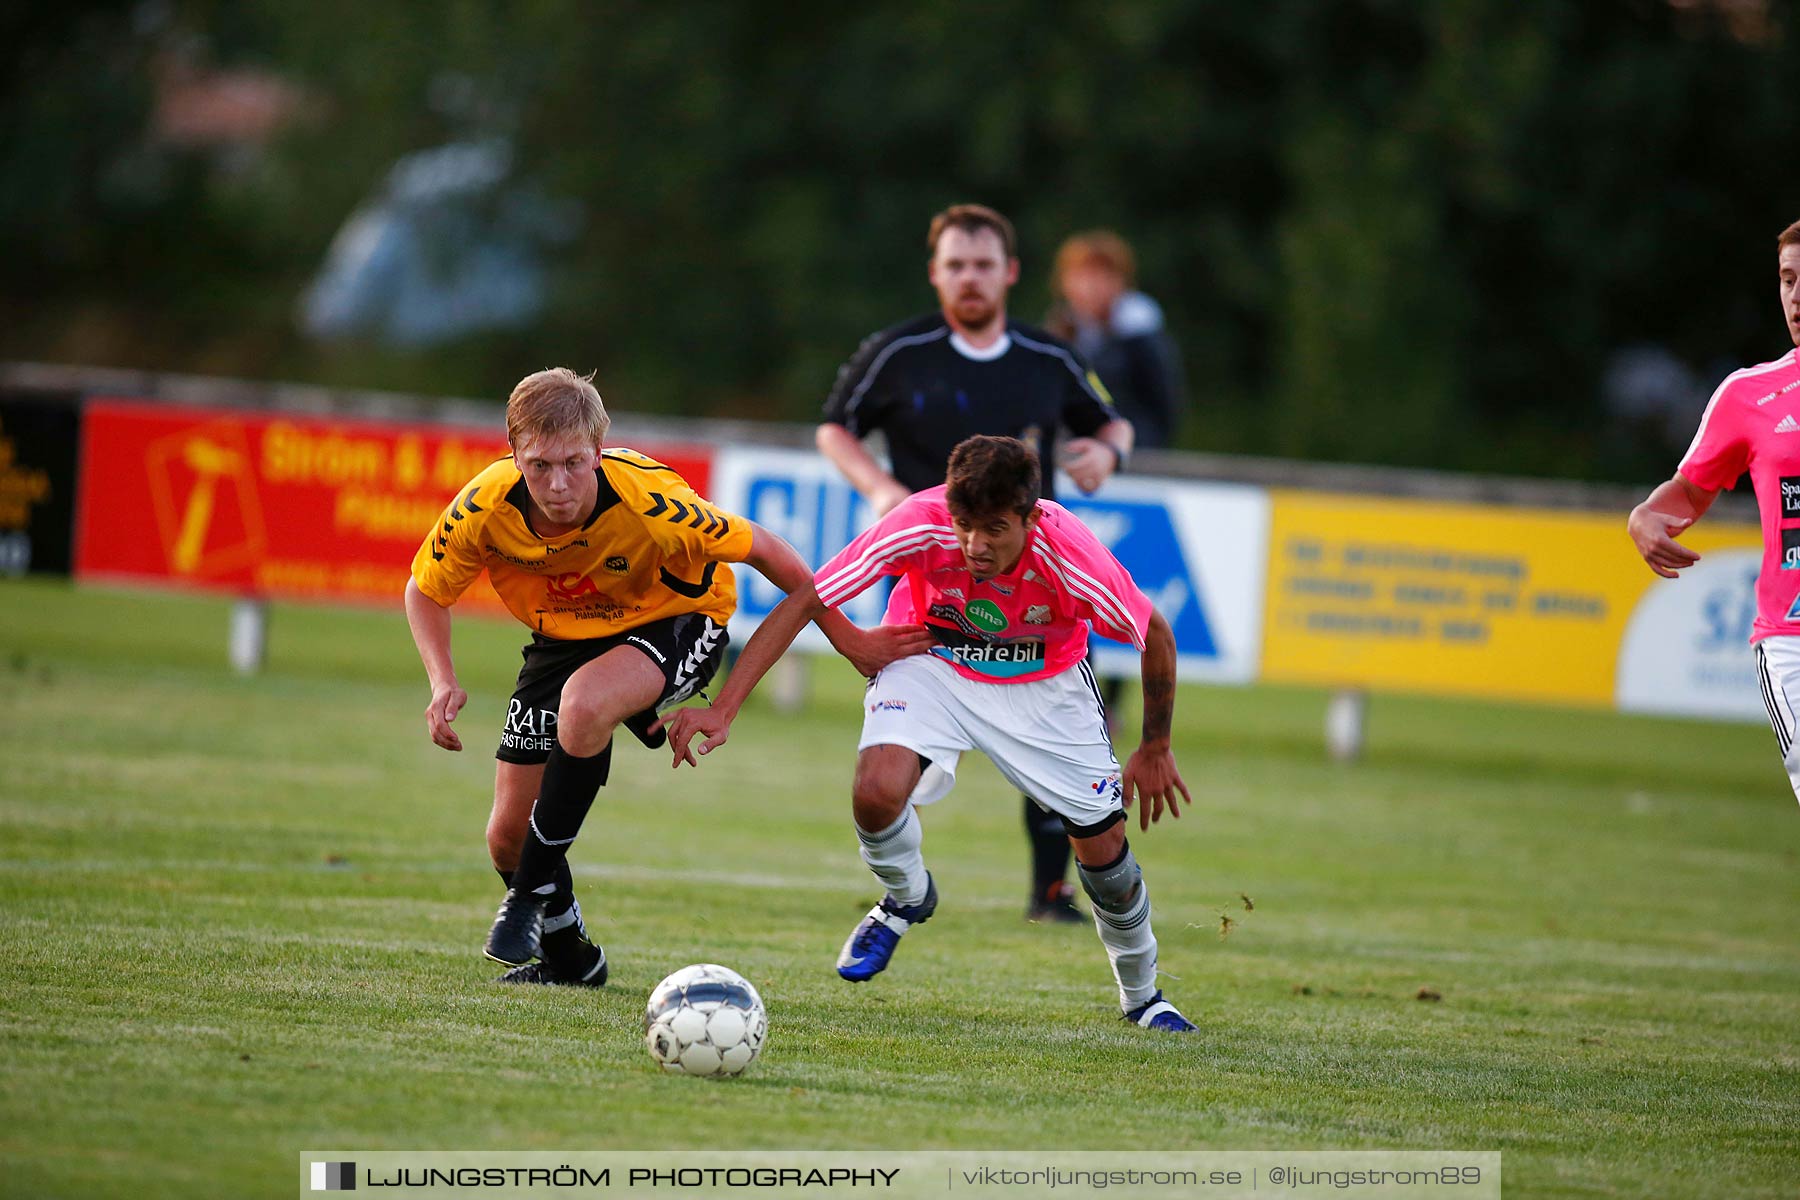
<point x="1384" y="231"/>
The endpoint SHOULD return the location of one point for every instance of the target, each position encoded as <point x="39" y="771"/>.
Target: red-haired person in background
<point x="1751" y="424"/>
<point x="1120" y="332"/>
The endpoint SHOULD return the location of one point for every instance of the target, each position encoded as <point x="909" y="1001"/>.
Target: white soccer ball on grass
<point x="705" y="1020"/>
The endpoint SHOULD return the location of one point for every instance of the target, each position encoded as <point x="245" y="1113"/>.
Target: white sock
<point x="893" y="855"/>
<point x="1130" y="947"/>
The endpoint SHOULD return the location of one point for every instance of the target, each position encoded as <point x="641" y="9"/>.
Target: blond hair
<point x="556" y="403"/>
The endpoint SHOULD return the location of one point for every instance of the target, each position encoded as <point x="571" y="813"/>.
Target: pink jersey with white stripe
<point x="1752" y="423"/>
<point x="1028" y="624"/>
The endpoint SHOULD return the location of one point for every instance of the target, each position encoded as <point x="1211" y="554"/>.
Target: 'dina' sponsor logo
<point x="985" y="614"/>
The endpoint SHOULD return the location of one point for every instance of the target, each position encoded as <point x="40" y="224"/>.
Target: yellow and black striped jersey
<point x="651" y="549"/>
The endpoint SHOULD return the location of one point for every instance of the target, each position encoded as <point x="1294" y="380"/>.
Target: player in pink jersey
<point x="1752" y="423"/>
<point x="1007" y="584"/>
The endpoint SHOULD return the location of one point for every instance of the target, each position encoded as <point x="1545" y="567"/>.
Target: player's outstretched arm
<point x="1664" y="516"/>
<point x="782" y="566"/>
<point x="430" y="624"/>
<point x="869" y="650"/>
<point x="1151" y="777"/>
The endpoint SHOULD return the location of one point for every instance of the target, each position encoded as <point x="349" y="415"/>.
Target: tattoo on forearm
<point x="1159" y="708"/>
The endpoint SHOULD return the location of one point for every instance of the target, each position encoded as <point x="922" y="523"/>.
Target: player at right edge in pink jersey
<point x="1008" y="586"/>
<point x="1752" y="423"/>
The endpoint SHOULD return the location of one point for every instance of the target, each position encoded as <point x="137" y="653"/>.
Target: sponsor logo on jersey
<point x="946" y="612"/>
<point x="986" y="615"/>
<point x="1778" y="393"/>
<point x="1024" y="651"/>
<point x="981" y="651"/>
<point x="529" y="564"/>
<point x="571" y="585"/>
<point x="1111" y="781"/>
<point x="888" y="706"/>
<point x="1790" y="549"/>
<point x="956" y="593"/>
<point x="1793" y="612"/>
<point x="1037" y="614"/>
<point x="1790" y="495"/>
<point x="618" y="564"/>
<point x="1788" y="425"/>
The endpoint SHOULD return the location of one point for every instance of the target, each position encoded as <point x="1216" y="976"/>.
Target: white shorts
<point x="1048" y="737"/>
<point x="1778" y="673"/>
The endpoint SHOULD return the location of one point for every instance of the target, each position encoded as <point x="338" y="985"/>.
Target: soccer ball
<point x="705" y="1020"/>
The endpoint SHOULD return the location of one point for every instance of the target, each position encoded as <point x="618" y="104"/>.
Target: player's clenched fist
<point x="447" y="699"/>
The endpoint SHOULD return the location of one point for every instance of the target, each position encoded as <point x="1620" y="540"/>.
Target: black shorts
<point x="688" y="648"/>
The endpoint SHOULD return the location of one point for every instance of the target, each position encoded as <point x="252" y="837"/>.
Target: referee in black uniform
<point x="966" y="369"/>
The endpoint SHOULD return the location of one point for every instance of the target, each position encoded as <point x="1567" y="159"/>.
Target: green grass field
<point x="243" y="918"/>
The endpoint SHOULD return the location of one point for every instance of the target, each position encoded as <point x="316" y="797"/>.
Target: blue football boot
<point x="1157" y="1013"/>
<point x="872" y="943"/>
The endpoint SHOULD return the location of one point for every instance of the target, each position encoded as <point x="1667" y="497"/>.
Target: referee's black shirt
<point x="927" y="390"/>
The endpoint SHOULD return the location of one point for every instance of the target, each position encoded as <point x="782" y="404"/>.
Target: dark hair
<point x="971" y="218"/>
<point x="992" y="475"/>
<point x="1789" y="237"/>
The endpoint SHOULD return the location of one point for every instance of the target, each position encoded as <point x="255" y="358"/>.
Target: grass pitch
<point x="243" y="918"/>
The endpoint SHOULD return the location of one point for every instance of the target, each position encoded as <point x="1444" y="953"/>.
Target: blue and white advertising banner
<point x="1686" y="650"/>
<point x="799" y="496"/>
<point x="1198" y="550"/>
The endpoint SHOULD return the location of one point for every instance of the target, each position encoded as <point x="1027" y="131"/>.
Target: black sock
<point x="565" y="944"/>
<point x="1049" y="848"/>
<point x="564" y="797"/>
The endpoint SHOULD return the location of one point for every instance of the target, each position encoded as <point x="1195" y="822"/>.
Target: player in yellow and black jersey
<point x="622" y="574"/>
<point x="649" y="549"/>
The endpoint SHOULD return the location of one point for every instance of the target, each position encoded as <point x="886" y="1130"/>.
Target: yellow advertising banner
<point x="1456" y="599"/>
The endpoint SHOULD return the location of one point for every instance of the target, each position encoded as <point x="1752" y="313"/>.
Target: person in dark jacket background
<point x="1120" y="331"/>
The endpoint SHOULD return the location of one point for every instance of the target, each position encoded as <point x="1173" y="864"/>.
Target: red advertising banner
<point x="276" y="504"/>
